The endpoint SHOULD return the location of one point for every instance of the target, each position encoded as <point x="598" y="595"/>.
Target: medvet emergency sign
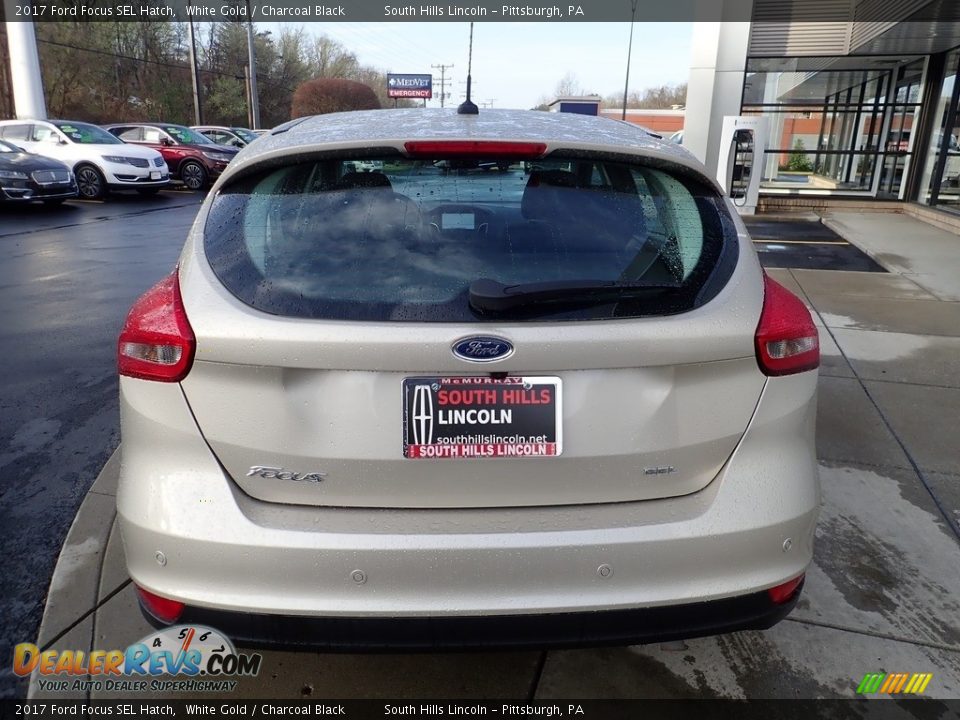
<point x="410" y="86"/>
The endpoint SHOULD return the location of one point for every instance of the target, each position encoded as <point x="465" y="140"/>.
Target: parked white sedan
<point x="403" y="408"/>
<point x="99" y="161"/>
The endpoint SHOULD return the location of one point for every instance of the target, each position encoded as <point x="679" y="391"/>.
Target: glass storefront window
<point x="940" y="182"/>
<point x="904" y="116"/>
<point x="835" y="127"/>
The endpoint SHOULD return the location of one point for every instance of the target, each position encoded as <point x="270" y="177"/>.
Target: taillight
<point x="474" y="148"/>
<point x="786" y="592"/>
<point x="163" y="609"/>
<point x="787" y="341"/>
<point x="156" y="342"/>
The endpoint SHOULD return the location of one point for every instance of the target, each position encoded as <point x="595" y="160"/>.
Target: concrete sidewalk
<point x="883" y="594"/>
<point x="925" y="254"/>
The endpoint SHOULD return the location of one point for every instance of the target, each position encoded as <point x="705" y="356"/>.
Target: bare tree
<point x="569" y="86"/>
<point x="663" y="97"/>
<point x="327" y="58"/>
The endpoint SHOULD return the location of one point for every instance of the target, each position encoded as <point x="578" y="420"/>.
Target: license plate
<point x="481" y="417"/>
<point x="155" y="175"/>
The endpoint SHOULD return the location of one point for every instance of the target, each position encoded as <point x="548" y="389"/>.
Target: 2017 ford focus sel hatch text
<point x="522" y="383"/>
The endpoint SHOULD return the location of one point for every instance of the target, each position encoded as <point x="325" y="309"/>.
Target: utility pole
<point x="197" y="111"/>
<point x="117" y="65"/>
<point x="626" y="83"/>
<point x="252" y="64"/>
<point x="246" y="87"/>
<point x="443" y="80"/>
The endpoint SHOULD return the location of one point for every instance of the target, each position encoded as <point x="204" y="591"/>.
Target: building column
<point x="28" y="101"/>
<point x="717" y="72"/>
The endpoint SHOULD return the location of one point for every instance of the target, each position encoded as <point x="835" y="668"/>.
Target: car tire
<point x="148" y="191"/>
<point x="193" y="175"/>
<point x="90" y="182"/>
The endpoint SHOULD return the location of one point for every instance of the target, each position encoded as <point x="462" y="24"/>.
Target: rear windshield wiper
<point x="491" y="296"/>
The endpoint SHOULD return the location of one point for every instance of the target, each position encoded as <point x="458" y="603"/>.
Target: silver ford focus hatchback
<point x="426" y="379"/>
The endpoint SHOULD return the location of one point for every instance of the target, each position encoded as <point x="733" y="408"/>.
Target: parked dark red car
<point x="193" y="159"/>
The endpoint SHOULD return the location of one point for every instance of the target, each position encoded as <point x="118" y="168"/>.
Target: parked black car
<point x="25" y="177"/>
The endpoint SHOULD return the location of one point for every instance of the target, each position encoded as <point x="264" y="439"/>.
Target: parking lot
<point x="882" y="595"/>
<point x="68" y="276"/>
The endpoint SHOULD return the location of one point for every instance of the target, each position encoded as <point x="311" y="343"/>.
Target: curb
<point x="73" y="596"/>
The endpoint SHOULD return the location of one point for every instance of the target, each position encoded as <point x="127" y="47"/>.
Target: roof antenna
<point x="468" y="107"/>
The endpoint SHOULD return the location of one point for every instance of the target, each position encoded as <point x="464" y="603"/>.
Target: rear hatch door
<point x="340" y="361"/>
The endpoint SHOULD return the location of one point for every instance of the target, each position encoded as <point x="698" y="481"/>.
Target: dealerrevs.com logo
<point x="181" y="658"/>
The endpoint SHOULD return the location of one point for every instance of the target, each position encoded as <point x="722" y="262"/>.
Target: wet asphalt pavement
<point x="68" y="275"/>
<point x="805" y="244"/>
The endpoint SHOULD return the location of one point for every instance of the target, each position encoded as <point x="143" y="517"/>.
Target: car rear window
<point x="391" y="238"/>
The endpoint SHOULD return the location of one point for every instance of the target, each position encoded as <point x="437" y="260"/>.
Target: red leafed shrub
<point x="327" y="95"/>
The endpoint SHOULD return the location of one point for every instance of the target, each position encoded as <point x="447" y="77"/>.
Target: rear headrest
<point x="614" y="216"/>
<point x="557" y="178"/>
<point x="363" y="180"/>
<point x="545" y="193"/>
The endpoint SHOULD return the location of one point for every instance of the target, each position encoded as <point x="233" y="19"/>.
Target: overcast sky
<point x="517" y="64"/>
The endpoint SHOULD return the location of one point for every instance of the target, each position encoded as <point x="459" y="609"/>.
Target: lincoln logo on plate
<point x="422" y="415"/>
<point x="482" y="349"/>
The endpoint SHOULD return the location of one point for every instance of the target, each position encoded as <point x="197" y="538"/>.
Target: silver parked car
<point x="230" y="136"/>
<point x="405" y="408"/>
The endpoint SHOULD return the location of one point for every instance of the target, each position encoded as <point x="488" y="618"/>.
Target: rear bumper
<point x="191" y="534"/>
<point x="582" y="629"/>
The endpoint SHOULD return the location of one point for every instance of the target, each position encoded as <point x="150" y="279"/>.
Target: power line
<point x="178" y="66"/>
<point x="116" y="55"/>
<point x="463" y="88"/>
<point x="378" y="53"/>
<point x="386" y="36"/>
<point x="181" y="66"/>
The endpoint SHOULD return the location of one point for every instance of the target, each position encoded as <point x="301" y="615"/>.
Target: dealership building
<point x="860" y="97"/>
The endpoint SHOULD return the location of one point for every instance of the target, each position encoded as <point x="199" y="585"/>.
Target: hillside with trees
<point x="105" y="71"/>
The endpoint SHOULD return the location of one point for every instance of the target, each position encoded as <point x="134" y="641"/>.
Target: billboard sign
<point x="409" y="86"/>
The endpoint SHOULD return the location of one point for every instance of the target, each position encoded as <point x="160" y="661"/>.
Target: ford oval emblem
<point x="482" y="349"/>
